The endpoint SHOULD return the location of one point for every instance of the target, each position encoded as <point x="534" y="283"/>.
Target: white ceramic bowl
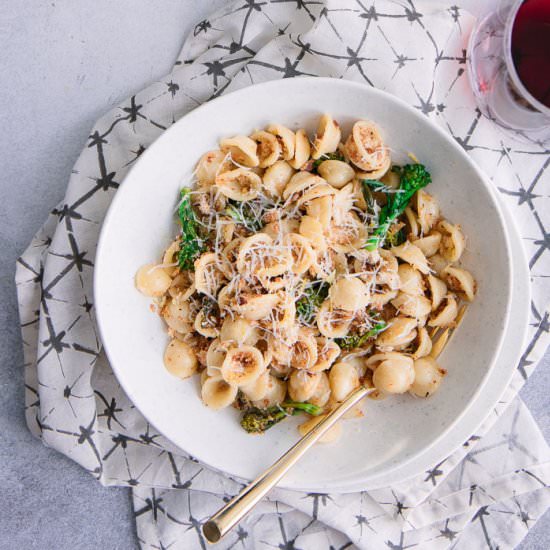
<point x="140" y="223"/>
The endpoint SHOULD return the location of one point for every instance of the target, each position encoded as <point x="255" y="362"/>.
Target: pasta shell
<point x="453" y="242"/>
<point x="461" y="281"/>
<point x="229" y="257"/>
<point x="152" y="281"/>
<point x="208" y="274"/>
<point x="412" y="223"/>
<point x="304" y="350"/>
<point x="256" y="306"/>
<point x="327" y="352"/>
<point x="242" y="365"/>
<point x="445" y="314"/>
<point x="336" y="172"/>
<point x="268" y="149"/>
<point x="395" y="375"/>
<point x="343" y="378"/>
<point x="171" y="257"/>
<point x="365" y="147"/>
<point x="437" y="289"/>
<point x="410" y="279"/>
<point x="276" y="178"/>
<point x="242" y="150"/>
<point x="258" y="389"/>
<point x="214" y="357"/>
<point x="427" y="209"/>
<point x="301" y="251"/>
<point x="321" y="395"/>
<point x="333" y="323"/>
<point x="423" y="344"/>
<point x="259" y="256"/>
<point x="177" y="316"/>
<point x="205" y="327"/>
<point x="312" y="229"/>
<point x="388" y="271"/>
<point x="216" y="393"/>
<point x="428" y="377"/>
<point x="332" y="435"/>
<point x="321" y="209"/>
<point x="301" y="151"/>
<point x="302" y="385"/>
<point x="349" y="236"/>
<point x="399" y="333"/>
<point x="286" y="138"/>
<point x="210" y="165"/>
<point x="437" y="264"/>
<point x="412" y="305"/>
<point x="284" y="314"/>
<point x="180" y="359"/>
<point x="349" y="294"/>
<point x="238" y="331"/>
<point x="430" y="244"/>
<point x="301" y="182"/>
<point x="275" y="393"/>
<point x="327" y="138"/>
<point x="411" y="254"/>
<point x="240" y="184"/>
<point x="182" y="286"/>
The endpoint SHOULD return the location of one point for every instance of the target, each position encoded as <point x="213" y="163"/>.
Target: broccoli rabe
<point x="353" y="341"/>
<point x="256" y="420"/>
<point x="191" y="244"/>
<point x="311" y="300"/>
<point x="412" y="177"/>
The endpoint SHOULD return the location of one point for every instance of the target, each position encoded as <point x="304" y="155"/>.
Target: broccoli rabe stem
<point x="412" y="178"/>
<point x="256" y="420"/>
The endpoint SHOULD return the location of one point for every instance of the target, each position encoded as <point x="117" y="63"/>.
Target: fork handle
<point x="236" y="509"/>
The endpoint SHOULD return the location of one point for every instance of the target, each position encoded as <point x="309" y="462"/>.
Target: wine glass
<point x="509" y="67"/>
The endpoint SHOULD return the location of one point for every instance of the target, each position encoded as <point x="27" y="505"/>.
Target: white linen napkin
<point x="488" y="493"/>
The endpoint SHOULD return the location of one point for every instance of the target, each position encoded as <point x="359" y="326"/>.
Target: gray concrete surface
<point x="62" y="64"/>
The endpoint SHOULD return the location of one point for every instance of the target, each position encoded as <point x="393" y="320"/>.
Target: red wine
<point x="531" y="48"/>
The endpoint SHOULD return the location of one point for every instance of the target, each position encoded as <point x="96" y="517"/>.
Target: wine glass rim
<point x="526" y="94"/>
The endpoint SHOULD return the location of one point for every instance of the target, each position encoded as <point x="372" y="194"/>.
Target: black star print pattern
<point x="411" y="49"/>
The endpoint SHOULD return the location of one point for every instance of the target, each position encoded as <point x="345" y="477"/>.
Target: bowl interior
<point x="141" y="222"/>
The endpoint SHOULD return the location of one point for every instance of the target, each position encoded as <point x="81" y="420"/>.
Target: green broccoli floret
<point x="353" y="341"/>
<point x="311" y="300"/>
<point x="256" y="420"/>
<point x="412" y="178"/>
<point x="191" y="245"/>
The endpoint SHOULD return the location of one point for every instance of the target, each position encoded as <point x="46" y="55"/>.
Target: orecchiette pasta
<point x="452" y="241"/>
<point x="180" y="359"/>
<point x="239" y="184"/>
<point x="427" y="377"/>
<point x="242" y="150"/>
<point x="242" y="365"/>
<point x="286" y="138"/>
<point x="366" y="149"/>
<point x="268" y="149"/>
<point x="327" y="137"/>
<point x="276" y="178"/>
<point x="210" y="165"/>
<point x="298" y="275"/>
<point x="152" y="280"/>
<point x="216" y="393"/>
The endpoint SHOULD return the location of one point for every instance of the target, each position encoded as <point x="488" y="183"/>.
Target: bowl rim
<point x="322" y="81"/>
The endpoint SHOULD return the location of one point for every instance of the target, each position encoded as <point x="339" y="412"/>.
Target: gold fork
<point x="240" y="505"/>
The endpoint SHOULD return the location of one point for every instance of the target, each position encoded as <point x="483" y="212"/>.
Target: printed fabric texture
<point x="488" y="493"/>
